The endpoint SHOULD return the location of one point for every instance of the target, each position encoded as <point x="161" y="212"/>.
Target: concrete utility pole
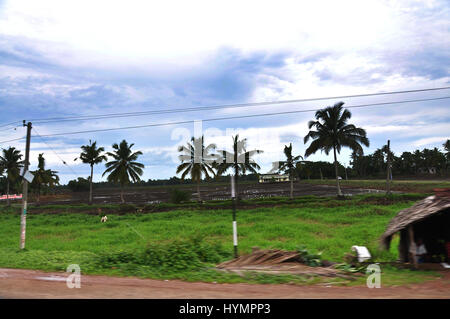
<point x="23" y="220"/>
<point x="233" y="200"/>
<point x="388" y="169"/>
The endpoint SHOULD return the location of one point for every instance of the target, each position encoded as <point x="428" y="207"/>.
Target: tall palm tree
<point x="43" y="176"/>
<point x="11" y="162"/>
<point x="123" y="168"/>
<point x="92" y="155"/>
<point x="289" y="166"/>
<point x="240" y="160"/>
<point x="333" y="132"/>
<point x="197" y="160"/>
<point x="447" y="149"/>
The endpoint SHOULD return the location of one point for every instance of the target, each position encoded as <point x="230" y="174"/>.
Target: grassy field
<point x="185" y="243"/>
<point x="410" y="186"/>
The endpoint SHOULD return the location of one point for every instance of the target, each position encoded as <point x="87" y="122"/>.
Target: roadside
<point x="18" y="283"/>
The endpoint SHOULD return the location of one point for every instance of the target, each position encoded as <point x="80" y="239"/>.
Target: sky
<point x="77" y="58"/>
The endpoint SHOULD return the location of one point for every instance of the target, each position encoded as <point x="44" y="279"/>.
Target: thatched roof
<point x="421" y="210"/>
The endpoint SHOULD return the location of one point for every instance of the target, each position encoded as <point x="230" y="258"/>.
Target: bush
<point x="168" y="258"/>
<point x="178" y="196"/>
<point x="127" y="208"/>
<point x="79" y="185"/>
<point x="309" y="258"/>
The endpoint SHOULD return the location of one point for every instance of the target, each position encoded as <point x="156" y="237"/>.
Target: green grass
<point x="186" y="243"/>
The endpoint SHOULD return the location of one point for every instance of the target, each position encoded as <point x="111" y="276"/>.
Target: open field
<point x="407" y="186"/>
<point x="186" y="243"/>
<point x="213" y="191"/>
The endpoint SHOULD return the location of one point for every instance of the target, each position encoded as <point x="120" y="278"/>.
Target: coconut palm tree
<point x="240" y="160"/>
<point x="447" y="149"/>
<point x="43" y="176"/>
<point x="123" y="168"/>
<point x="333" y="132"/>
<point x="197" y="160"/>
<point x="11" y="162"/>
<point x="289" y="166"/>
<point x="92" y="155"/>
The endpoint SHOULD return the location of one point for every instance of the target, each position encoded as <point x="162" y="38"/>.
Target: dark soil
<point x="155" y="194"/>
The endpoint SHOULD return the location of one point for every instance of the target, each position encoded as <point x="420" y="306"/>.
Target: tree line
<point x="329" y="132"/>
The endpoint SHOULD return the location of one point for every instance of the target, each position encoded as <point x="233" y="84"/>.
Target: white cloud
<point x="431" y="140"/>
<point x="186" y="33"/>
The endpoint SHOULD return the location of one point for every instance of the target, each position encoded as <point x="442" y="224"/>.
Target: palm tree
<point x="92" y="155"/>
<point x="447" y="149"/>
<point x="123" y="167"/>
<point x="333" y="132"/>
<point x="43" y="176"/>
<point x="289" y="165"/>
<point x="11" y="163"/>
<point x="197" y="160"/>
<point x="240" y="160"/>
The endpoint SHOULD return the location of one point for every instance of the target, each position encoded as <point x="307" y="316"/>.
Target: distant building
<point x="273" y="178"/>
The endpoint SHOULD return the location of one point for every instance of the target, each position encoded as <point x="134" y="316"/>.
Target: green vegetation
<point x="186" y="243"/>
<point x="196" y="160"/>
<point x="334" y="132"/>
<point x="10" y="163"/>
<point x="288" y="166"/>
<point x="43" y="177"/>
<point x="123" y="168"/>
<point x="177" y="196"/>
<point x="240" y="161"/>
<point x="92" y="155"/>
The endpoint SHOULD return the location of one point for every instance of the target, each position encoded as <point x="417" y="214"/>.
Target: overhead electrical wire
<point x="205" y="108"/>
<point x="230" y="117"/>
<point x="240" y="116"/>
<point x="51" y="148"/>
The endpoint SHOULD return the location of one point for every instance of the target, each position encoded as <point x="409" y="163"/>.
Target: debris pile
<point x="276" y="261"/>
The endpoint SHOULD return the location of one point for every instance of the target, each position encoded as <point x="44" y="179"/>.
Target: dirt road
<point x="15" y="283"/>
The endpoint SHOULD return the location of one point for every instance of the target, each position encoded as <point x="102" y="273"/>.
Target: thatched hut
<point x="429" y="220"/>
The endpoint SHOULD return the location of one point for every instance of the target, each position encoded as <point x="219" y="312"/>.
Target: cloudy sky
<point x="76" y="58"/>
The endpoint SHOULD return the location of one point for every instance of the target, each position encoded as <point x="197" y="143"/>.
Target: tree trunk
<point x="90" y="186"/>
<point x="198" y="191"/>
<point x="39" y="195"/>
<point x="121" y="194"/>
<point x="8" y="202"/>
<point x="236" y="174"/>
<point x="337" y="173"/>
<point x="292" y="186"/>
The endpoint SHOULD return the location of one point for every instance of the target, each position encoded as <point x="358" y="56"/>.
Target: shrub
<point x="308" y="258"/>
<point x="127" y="208"/>
<point x="79" y="185"/>
<point x="172" y="257"/>
<point x="178" y="196"/>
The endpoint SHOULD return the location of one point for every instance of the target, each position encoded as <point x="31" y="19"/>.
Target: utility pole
<point x="23" y="220"/>
<point x="388" y="169"/>
<point x="233" y="200"/>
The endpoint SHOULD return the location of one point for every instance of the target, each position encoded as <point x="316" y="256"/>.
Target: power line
<point x="63" y="161"/>
<point x="13" y="140"/>
<point x="11" y="123"/>
<point x="228" y="118"/>
<point x="239" y="117"/>
<point x="204" y="108"/>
